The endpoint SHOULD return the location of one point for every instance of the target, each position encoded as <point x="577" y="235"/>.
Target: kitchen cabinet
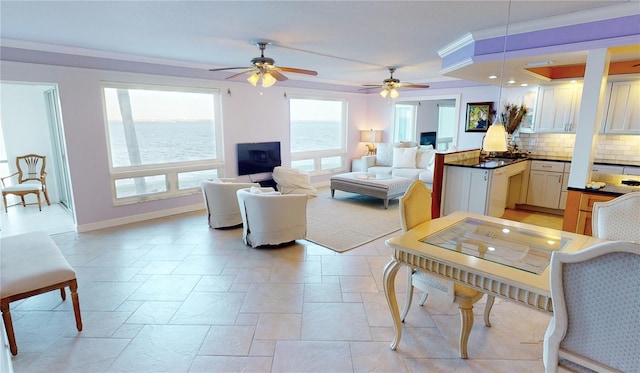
<point x="480" y="190"/>
<point x="577" y="215"/>
<point x="545" y="184"/>
<point x="557" y="108"/>
<point x="629" y="170"/>
<point x="565" y="184"/>
<point x="623" y="113"/>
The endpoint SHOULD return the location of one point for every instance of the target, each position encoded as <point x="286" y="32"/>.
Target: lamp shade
<point x="268" y="80"/>
<point x="496" y="139"/>
<point x="371" y="136"/>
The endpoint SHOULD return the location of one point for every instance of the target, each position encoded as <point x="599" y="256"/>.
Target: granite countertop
<point x="609" y="189"/>
<point x="609" y="162"/>
<point x="486" y="164"/>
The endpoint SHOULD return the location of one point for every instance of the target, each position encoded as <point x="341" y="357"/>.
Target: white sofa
<point x="401" y="159"/>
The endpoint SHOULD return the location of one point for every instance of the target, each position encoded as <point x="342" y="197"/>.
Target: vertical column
<point x="595" y="81"/>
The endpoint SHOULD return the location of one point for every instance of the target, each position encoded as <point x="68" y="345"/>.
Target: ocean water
<point x="164" y="142"/>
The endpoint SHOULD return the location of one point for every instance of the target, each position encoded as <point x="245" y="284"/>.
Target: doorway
<point x="439" y="114"/>
<point x="30" y="122"/>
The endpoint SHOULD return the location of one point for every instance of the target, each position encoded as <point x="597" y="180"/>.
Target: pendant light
<point x="496" y="138"/>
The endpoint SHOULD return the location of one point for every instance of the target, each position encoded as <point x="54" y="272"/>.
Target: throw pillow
<point x="384" y="155"/>
<point x="426" y="158"/>
<point x="404" y="157"/>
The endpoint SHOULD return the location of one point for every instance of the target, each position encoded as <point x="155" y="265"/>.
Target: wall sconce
<point x="372" y="137"/>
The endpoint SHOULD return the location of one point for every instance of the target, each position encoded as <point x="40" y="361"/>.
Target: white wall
<point x="26" y="130"/>
<point x="247" y="114"/>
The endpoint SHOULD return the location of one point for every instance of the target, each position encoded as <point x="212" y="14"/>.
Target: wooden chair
<point x="31" y="179"/>
<point x="596" y="309"/>
<point x="415" y="208"/>
<point x="617" y="219"/>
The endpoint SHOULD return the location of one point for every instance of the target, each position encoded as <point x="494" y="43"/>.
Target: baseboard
<point x="81" y="228"/>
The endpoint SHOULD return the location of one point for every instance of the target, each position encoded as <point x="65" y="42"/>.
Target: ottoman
<point x="32" y="264"/>
<point x="385" y="187"/>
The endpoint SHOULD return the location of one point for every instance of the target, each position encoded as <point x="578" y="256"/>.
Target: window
<point x="446" y="124"/>
<point x="163" y="141"/>
<point x="406" y="116"/>
<point x="318" y="134"/>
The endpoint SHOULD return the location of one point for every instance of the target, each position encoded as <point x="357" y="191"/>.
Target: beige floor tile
<point x="316" y="356"/>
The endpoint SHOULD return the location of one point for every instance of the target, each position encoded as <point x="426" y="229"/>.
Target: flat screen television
<point x="258" y="157"/>
<point x="428" y="138"/>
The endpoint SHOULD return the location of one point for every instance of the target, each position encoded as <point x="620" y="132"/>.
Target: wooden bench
<point x="31" y="264"/>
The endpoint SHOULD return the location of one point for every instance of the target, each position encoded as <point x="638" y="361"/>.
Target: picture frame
<point x="479" y="116"/>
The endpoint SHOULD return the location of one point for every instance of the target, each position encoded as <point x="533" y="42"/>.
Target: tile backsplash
<point x="610" y="148"/>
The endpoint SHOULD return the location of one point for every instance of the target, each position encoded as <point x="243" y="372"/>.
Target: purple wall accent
<point x="598" y="30"/>
<point x="560" y="37"/>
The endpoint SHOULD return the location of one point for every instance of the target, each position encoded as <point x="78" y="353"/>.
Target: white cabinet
<point x="481" y="191"/>
<point x="628" y="170"/>
<point x="545" y="184"/>
<point x="623" y="114"/>
<point x="557" y="108"/>
<point x="465" y="189"/>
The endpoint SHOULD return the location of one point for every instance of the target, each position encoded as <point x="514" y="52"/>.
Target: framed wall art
<point x="479" y="116"/>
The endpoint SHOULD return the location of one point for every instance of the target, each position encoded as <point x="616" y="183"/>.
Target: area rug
<point x="349" y="220"/>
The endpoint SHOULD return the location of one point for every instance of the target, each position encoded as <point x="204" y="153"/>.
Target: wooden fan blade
<point x="414" y="86"/>
<point x="279" y="77"/>
<point x="229" y="68"/>
<point x="298" y="71"/>
<point x="372" y="85"/>
<point x="238" y="74"/>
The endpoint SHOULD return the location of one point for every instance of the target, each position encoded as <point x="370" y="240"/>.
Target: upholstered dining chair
<point x="415" y="209"/>
<point x="617" y="219"/>
<point x="271" y="218"/>
<point x="221" y="201"/>
<point x="31" y="179"/>
<point x="596" y="309"/>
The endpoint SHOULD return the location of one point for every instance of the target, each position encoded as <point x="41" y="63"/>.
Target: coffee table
<point x="381" y="186"/>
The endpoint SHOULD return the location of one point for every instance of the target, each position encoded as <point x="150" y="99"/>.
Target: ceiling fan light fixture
<point x="253" y="79"/>
<point x="268" y="80"/>
<point x="384" y="92"/>
<point x="394" y="93"/>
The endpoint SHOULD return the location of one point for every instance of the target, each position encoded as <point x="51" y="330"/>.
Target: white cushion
<point x="384" y="154"/>
<point x="404" y="157"/>
<point x="294" y="181"/>
<point x="426" y="158"/>
<point x="411" y="173"/>
<point x="21" y="188"/>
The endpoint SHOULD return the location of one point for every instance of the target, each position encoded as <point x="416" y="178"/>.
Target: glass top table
<point x="514" y="247"/>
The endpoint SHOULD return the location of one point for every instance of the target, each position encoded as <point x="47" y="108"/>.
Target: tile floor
<point x="172" y="295"/>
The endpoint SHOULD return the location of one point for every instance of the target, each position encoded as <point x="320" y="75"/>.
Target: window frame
<point x="169" y="170"/>
<point x="318" y="155"/>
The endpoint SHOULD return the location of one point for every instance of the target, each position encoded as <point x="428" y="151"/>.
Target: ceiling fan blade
<point x="298" y="71"/>
<point x="279" y="77"/>
<point x="372" y="86"/>
<point x="414" y="86"/>
<point x="238" y="74"/>
<point x="229" y="68"/>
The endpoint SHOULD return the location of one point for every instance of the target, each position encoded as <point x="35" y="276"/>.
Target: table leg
<point x="388" y="278"/>
<point x="466" y="323"/>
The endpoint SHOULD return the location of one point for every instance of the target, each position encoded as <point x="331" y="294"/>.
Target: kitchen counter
<point x="486" y="164"/>
<point x="611" y="190"/>
<point x="608" y="162"/>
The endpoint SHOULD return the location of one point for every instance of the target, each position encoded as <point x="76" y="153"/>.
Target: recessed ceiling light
<point x="524" y="85"/>
<point x="511" y="81"/>
<point x="539" y="63"/>
<point x="493" y="77"/>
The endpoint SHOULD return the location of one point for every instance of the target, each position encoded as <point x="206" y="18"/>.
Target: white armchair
<point x="221" y="202"/>
<point x="271" y="218"/>
<point x="293" y="181"/>
<point x="596" y="309"/>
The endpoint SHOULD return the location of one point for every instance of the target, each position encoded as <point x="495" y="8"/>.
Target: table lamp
<point x="372" y="137"/>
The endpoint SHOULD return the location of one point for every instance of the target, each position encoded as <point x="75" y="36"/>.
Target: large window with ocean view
<point x="318" y="134"/>
<point x="163" y="141"/>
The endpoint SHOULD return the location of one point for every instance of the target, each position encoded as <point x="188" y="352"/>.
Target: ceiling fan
<point x="390" y="85"/>
<point x="265" y="68"/>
